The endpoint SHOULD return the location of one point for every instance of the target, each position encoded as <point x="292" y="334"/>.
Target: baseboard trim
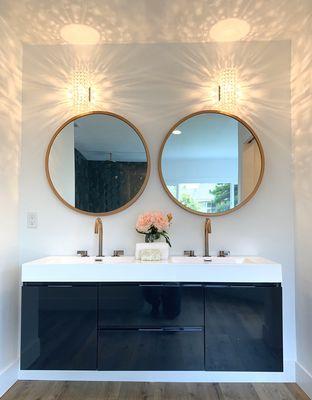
<point x="162" y="376"/>
<point x="304" y="379"/>
<point x="8" y="377"/>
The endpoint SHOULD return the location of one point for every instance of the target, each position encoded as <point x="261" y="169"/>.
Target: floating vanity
<point x="184" y="314"/>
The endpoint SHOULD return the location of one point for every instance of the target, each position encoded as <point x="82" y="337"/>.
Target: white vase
<point x="161" y="246"/>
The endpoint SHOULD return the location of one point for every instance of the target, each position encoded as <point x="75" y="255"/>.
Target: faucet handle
<point x="82" y="253"/>
<point x="118" y="253"/>
<point x="189" y="253"/>
<point x="224" y="253"/>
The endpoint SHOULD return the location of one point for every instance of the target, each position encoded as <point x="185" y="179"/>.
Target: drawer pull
<point x="60" y="286"/>
<point x="151" y="330"/>
<point x="190" y="329"/>
<point x="191" y="285"/>
<point x="166" y="285"/>
<point x="173" y="329"/>
<point x="146" y="285"/>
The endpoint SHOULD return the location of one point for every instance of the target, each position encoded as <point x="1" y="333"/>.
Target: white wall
<point x="10" y="120"/>
<point x="302" y="144"/>
<point x="154" y="86"/>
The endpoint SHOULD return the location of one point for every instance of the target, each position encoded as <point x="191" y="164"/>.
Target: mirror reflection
<point x="98" y="163"/>
<point x="211" y="163"/>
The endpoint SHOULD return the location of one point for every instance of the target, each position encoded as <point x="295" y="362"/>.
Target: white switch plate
<point x="32" y="220"/>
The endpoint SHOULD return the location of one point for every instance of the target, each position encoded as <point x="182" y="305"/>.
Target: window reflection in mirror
<point x="211" y="163"/>
<point x="98" y="163"/>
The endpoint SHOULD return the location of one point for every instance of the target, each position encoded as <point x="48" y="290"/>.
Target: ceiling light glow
<point x="176" y="132"/>
<point x="229" y="30"/>
<point x="79" y="34"/>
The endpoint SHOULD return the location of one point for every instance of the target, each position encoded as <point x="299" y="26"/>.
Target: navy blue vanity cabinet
<point x="243" y="327"/>
<point x="151" y="305"/>
<point x="59" y="327"/>
<point x="151" y="326"/>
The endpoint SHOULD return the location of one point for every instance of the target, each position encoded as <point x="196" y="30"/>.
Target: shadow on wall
<point x="145" y="21"/>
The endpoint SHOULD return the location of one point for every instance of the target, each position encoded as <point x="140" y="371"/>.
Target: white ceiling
<point x="97" y="136"/>
<point x="150" y="21"/>
<point x="205" y="136"/>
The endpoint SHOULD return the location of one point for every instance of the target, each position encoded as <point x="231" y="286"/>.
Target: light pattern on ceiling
<point x="148" y="21"/>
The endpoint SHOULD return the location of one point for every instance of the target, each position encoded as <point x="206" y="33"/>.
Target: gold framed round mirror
<point x="211" y="163"/>
<point x="97" y="163"/>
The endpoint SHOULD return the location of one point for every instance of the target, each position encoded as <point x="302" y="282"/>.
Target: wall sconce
<point x="227" y="93"/>
<point x="80" y="92"/>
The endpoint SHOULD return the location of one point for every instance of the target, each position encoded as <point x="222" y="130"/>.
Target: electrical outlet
<point x="32" y="220"/>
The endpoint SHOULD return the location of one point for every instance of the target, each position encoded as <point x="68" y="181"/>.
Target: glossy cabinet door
<point x="158" y="349"/>
<point x="59" y="327"/>
<point x="243" y="328"/>
<point x="151" y="305"/>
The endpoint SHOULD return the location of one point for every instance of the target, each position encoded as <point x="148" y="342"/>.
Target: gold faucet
<point x="98" y="229"/>
<point x="207" y="232"/>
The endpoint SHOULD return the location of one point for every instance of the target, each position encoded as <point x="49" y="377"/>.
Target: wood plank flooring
<point x="53" y="390"/>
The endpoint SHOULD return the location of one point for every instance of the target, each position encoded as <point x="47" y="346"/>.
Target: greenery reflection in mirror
<point x="97" y="163"/>
<point x="211" y="163"/>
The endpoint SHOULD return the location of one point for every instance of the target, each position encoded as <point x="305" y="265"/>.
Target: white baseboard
<point x="162" y="376"/>
<point x="304" y="379"/>
<point x="8" y="377"/>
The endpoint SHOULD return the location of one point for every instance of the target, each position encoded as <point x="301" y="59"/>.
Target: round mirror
<point x="211" y="163"/>
<point x="98" y="163"/>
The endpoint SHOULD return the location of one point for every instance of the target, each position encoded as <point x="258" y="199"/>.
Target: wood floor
<point x="46" y="390"/>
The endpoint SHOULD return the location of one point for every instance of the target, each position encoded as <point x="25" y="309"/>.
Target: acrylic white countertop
<point x="175" y="269"/>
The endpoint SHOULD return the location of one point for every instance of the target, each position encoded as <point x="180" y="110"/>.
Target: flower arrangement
<point x="154" y="225"/>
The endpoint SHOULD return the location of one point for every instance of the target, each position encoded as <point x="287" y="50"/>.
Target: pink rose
<point x="144" y="222"/>
<point x="160" y="221"/>
<point x="154" y="219"/>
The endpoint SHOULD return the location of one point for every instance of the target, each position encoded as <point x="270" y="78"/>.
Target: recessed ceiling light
<point x="176" y="132"/>
<point x="80" y="34"/>
<point x="229" y="30"/>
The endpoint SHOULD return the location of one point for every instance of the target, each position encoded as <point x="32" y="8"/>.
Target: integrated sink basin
<point x="175" y="269"/>
<point x="216" y="260"/>
<point x="84" y="260"/>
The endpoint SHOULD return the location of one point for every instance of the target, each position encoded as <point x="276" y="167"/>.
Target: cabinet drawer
<point x="151" y="350"/>
<point x="148" y="305"/>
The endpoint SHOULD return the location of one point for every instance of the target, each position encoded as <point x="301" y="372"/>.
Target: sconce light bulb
<point x="228" y="89"/>
<point x="80" y="90"/>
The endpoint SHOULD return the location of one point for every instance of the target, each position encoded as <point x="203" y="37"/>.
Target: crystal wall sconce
<point x="227" y="93"/>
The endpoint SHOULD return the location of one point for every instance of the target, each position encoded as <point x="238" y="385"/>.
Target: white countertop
<point x="242" y="269"/>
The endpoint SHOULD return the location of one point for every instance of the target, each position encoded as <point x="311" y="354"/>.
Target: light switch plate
<point x="32" y="220"/>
